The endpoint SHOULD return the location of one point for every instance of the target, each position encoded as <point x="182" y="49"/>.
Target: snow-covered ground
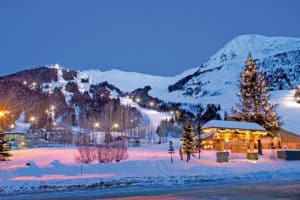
<point x="289" y="110"/>
<point x="56" y="168"/>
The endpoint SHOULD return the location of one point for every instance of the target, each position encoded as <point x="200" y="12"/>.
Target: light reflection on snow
<point x="60" y="176"/>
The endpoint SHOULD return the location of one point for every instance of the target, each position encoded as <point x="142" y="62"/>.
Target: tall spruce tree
<point x="254" y="100"/>
<point x="199" y="138"/>
<point x="188" y="141"/>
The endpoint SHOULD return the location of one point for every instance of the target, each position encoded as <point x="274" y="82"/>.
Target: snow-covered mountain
<point x="277" y="57"/>
<point x="216" y="81"/>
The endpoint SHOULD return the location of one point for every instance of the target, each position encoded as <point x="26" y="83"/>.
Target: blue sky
<point x="163" y="37"/>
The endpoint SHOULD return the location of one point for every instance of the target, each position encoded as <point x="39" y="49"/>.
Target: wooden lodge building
<point x="232" y="135"/>
<point x="242" y="137"/>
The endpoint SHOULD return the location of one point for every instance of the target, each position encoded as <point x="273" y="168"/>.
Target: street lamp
<point x="12" y="126"/>
<point x="116" y="125"/>
<point x="96" y="125"/>
<point x="151" y="104"/>
<point x="32" y="118"/>
<point x="138" y="100"/>
<point x="52" y="107"/>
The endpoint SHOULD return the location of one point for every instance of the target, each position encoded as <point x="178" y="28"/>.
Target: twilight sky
<point x="163" y="37"/>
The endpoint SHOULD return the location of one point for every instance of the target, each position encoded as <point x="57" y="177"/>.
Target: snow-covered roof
<point x="233" y="125"/>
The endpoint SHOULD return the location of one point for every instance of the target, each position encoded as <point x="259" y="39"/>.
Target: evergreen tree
<point x="199" y="139"/>
<point x="188" y="142"/>
<point x="225" y="116"/>
<point x="171" y="150"/>
<point x="254" y="98"/>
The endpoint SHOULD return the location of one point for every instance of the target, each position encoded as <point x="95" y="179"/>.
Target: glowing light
<point x="96" y="125"/>
<point x="32" y="118"/>
<point x="24" y="82"/>
<point x="3" y="112"/>
<point x="116" y="125"/>
<point x="138" y="100"/>
<point x="151" y="103"/>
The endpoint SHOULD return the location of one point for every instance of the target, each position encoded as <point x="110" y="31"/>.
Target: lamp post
<point x="115" y="126"/>
<point x="96" y="125"/>
<point x="152" y="104"/>
<point x="12" y="126"/>
<point x="138" y="100"/>
<point x="32" y="120"/>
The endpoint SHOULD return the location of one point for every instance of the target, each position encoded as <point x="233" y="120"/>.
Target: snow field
<point x="147" y="163"/>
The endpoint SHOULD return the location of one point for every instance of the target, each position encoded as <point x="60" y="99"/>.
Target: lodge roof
<point x="233" y="125"/>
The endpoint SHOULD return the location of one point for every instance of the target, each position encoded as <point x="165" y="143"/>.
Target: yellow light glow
<point x="151" y="103"/>
<point x="116" y="125"/>
<point x="32" y="118"/>
<point x="96" y="124"/>
<point x="138" y="100"/>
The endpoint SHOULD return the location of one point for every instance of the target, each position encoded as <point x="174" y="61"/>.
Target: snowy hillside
<point x="129" y="81"/>
<point x="277" y="57"/>
<point x="216" y="82"/>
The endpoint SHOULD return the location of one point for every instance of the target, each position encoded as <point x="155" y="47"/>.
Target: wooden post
<point x="221" y="143"/>
<point x="252" y="145"/>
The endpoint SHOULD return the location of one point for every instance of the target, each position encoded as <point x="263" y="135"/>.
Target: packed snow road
<point x="260" y="190"/>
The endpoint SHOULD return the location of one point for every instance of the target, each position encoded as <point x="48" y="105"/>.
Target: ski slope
<point x="154" y="116"/>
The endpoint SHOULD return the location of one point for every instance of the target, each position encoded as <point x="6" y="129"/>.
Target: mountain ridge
<point x="86" y="93"/>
